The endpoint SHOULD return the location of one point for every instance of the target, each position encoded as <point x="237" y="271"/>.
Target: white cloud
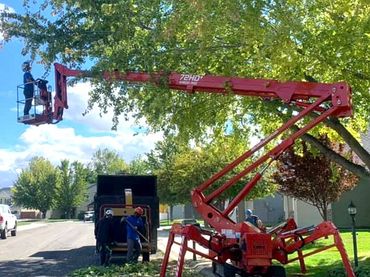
<point x="56" y="143"/>
<point x="77" y="103"/>
<point x="4" y="7"/>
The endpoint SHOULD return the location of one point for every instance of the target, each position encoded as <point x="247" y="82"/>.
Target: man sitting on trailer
<point x="254" y="219"/>
<point x="133" y="224"/>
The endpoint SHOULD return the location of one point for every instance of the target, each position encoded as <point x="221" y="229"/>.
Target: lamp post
<point x="352" y="211"/>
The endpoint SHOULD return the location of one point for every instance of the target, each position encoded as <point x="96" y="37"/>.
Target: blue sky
<point x="77" y="137"/>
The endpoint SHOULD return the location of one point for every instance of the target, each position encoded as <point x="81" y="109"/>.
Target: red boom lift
<point x="242" y="248"/>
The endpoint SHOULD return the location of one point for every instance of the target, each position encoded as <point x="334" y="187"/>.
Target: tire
<point x="14" y="231"/>
<point x="4" y="233"/>
<point x="229" y="270"/>
<point x="146" y="257"/>
<point x="276" y="271"/>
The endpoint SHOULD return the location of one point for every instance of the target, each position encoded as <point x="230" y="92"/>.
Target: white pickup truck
<point x="8" y="222"/>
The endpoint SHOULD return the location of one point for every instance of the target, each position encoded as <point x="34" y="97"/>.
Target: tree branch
<point x="356" y="147"/>
<point x="361" y="152"/>
<point x="358" y="170"/>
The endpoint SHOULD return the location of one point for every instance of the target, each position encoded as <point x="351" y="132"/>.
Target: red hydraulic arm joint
<point x="249" y="249"/>
<point x="60" y="98"/>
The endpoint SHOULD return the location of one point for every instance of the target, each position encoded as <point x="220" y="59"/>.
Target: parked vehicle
<point x="8" y="222"/>
<point x="89" y="216"/>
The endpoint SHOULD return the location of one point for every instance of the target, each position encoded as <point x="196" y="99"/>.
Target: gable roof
<point x="6" y="193"/>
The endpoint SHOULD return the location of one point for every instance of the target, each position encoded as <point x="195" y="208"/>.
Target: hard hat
<point x="26" y="66"/>
<point x="139" y="211"/>
<point x="109" y="212"/>
<point x="248" y="212"/>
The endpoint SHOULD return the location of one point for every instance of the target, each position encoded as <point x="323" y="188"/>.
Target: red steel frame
<point x="326" y="100"/>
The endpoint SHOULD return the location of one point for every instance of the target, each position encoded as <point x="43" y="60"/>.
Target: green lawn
<point x="26" y="222"/>
<point x="165" y="223"/>
<point x="29" y="221"/>
<point x="324" y="264"/>
<point x="329" y="262"/>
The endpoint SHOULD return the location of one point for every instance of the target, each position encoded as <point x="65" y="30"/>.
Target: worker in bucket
<point x="104" y="236"/>
<point x="134" y="224"/>
<point x="28" y="89"/>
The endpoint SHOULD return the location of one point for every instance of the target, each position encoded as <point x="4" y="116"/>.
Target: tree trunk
<point x="352" y="142"/>
<point x="325" y="212"/>
<point x="171" y="212"/>
<point x="349" y="139"/>
<point x="359" y="171"/>
<point x="241" y="211"/>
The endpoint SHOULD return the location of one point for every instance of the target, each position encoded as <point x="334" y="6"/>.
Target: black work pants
<point x="133" y="250"/>
<point x="105" y="253"/>
<point x="28" y="96"/>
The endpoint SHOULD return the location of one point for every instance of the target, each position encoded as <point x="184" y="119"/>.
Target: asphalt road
<point x="53" y="249"/>
<point x="56" y="249"/>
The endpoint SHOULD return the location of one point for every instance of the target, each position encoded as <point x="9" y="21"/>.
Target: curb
<point x="30" y="226"/>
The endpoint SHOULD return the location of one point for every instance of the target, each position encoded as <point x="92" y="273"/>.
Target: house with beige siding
<point x="306" y="214"/>
<point x="5" y="196"/>
<point x="360" y="196"/>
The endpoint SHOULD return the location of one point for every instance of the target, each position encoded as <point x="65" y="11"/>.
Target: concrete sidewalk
<point x="31" y="226"/>
<point x="203" y="265"/>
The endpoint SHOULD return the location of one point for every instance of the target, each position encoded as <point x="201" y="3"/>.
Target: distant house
<point x="306" y="214"/>
<point x="6" y="196"/>
<point x="273" y="210"/>
<point x="360" y="197"/>
<point x="88" y="204"/>
<point x="269" y="209"/>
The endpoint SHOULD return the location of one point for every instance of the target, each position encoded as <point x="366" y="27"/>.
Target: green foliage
<point x="138" y="166"/>
<point x="146" y="269"/>
<point x="298" y="177"/>
<point x="181" y="168"/>
<point x="73" y="187"/>
<point x="285" y="40"/>
<point x="132" y="270"/>
<point x="360" y="271"/>
<point x="37" y="185"/>
<point x="106" y="162"/>
<point x="42" y="186"/>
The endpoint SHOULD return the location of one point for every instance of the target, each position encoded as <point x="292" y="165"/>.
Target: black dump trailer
<point x="122" y="194"/>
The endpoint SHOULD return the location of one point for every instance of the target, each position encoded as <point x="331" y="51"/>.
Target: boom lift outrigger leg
<point x="274" y="245"/>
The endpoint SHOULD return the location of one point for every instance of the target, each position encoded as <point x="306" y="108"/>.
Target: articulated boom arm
<point x="324" y="99"/>
<point x="334" y="100"/>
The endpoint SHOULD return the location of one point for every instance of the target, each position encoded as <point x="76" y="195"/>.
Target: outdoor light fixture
<point x="352" y="211"/>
